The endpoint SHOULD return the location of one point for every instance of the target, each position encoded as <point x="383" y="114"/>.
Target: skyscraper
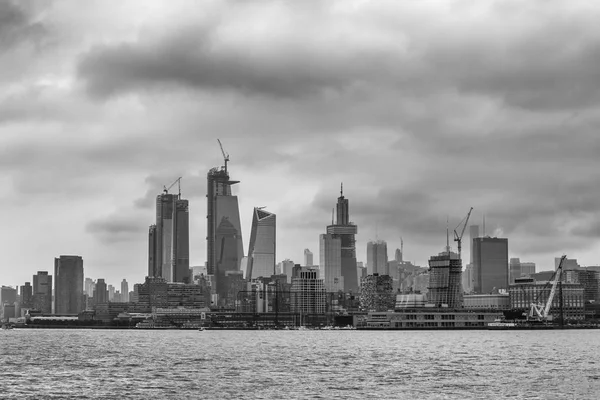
<point x="473" y="234"/>
<point x="490" y="264"/>
<point x="221" y="206"/>
<point x="42" y="292"/>
<point x="308" y="258"/>
<point x="27" y="296"/>
<point x="68" y="285"/>
<point x="261" y="252"/>
<point x="345" y="231"/>
<point x="445" y="275"/>
<point x="124" y="291"/>
<point x="330" y="262"/>
<point x="377" y="259"/>
<point x="168" y="240"/>
<point x="101" y="292"/>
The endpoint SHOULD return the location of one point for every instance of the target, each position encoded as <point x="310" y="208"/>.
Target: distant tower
<point x="308" y="258"/>
<point x="377" y="258"/>
<point x="261" y="253"/>
<point x="68" y="285"/>
<point x="345" y="231"/>
<point x="124" y="291"/>
<point x="473" y="234"/>
<point x="42" y="292"/>
<point x="330" y="262"/>
<point x="101" y="292"/>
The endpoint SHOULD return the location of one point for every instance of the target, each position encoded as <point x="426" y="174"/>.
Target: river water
<point x="142" y="364"/>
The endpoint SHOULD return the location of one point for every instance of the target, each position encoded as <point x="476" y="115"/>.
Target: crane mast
<point x="178" y="182"/>
<point x="458" y="237"/>
<point x="540" y="311"/>
<point x="225" y="155"/>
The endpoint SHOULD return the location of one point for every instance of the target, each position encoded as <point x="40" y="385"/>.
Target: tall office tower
<point x="227" y="260"/>
<point x="398" y="256"/>
<point x="111" y="293"/>
<point x="101" y="292"/>
<point x="153" y="270"/>
<point x="168" y="240"/>
<point x="308" y="258"/>
<point x="445" y="275"/>
<point x="8" y="296"/>
<point x="286" y="269"/>
<point x="124" y="291"/>
<point x="330" y="262"/>
<point x="377" y="259"/>
<point x="42" y="292"/>
<point x="467" y="279"/>
<point x="346" y="231"/>
<point x="490" y="264"/>
<point x="222" y="208"/>
<point x="27" y="296"/>
<point x="473" y="234"/>
<point x="68" y="285"/>
<point x="261" y="252"/>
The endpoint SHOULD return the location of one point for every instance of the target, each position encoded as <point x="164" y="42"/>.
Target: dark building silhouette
<point x="27" y="295"/>
<point x="100" y="292"/>
<point x="346" y="231"/>
<point x="490" y="264"/>
<point x="445" y="276"/>
<point x="228" y="256"/>
<point x="168" y="240"/>
<point x="68" y="285"/>
<point x="221" y="205"/>
<point x="42" y="292"/>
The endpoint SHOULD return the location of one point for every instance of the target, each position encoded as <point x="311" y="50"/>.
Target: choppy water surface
<point x="299" y="364"/>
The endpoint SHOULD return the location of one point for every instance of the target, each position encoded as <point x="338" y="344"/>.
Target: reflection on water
<point x="299" y="364"/>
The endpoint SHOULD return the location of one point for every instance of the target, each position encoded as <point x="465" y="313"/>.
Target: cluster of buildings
<point x="239" y="289"/>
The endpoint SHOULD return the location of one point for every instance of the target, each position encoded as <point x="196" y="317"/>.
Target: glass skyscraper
<point x="68" y="285"/>
<point x="168" y="240"/>
<point x="490" y="264"/>
<point x="261" y="252"/>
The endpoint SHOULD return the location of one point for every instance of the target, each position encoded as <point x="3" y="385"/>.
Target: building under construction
<point x="445" y="274"/>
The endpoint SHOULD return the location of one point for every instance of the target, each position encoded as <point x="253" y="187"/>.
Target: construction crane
<point x="225" y="155"/>
<point x="178" y="182"/>
<point x="457" y="237"/>
<point x="539" y="311"/>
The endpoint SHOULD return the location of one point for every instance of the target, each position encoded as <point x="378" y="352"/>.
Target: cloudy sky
<point x="423" y="109"/>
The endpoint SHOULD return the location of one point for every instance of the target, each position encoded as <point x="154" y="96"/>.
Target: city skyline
<point x="386" y="111"/>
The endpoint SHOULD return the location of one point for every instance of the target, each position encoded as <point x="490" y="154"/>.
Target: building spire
<point x="342" y="189"/>
<point x="447" y="237"/>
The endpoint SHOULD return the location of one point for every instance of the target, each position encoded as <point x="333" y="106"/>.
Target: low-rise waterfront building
<point x="496" y="301"/>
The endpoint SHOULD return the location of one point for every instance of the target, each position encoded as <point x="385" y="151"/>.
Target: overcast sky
<point x="423" y="109"/>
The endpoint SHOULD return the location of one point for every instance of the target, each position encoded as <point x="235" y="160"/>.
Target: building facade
<point x="101" y="292"/>
<point x="377" y="293"/>
<point x="490" y="264"/>
<point x="377" y="258"/>
<point x="124" y="291"/>
<point x="330" y="262"/>
<point x="263" y="238"/>
<point x="526" y="291"/>
<point x="307" y="295"/>
<point x="68" y="285"/>
<point x="308" y="258"/>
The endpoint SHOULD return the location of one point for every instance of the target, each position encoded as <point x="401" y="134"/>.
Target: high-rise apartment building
<point x="42" y="292"/>
<point x="308" y="258"/>
<point x="68" y="285"/>
<point x="168" y="239"/>
<point x="346" y="231"/>
<point x="223" y="220"/>
<point x="330" y="261"/>
<point x="124" y="291"/>
<point x="445" y="275"/>
<point x="490" y="264"/>
<point x="377" y="258"/>
<point x="307" y="295"/>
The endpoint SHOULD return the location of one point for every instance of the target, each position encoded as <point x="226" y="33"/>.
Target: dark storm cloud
<point x="17" y="25"/>
<point x="117" y="228"/>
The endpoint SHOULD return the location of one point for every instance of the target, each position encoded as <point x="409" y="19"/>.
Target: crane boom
<point x="457" y="237"/>
<point x="225" y="155"/>
<point x="541" y="311"/>
<point x="178" y="182"/>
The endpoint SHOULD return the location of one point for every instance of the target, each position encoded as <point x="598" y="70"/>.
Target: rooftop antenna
<point x="483" y="225"/>
<point x="332" y="213"/>
<point x="447" y="237"/>
<point x="342" y="189"/>
<point x="402" y="246"/>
